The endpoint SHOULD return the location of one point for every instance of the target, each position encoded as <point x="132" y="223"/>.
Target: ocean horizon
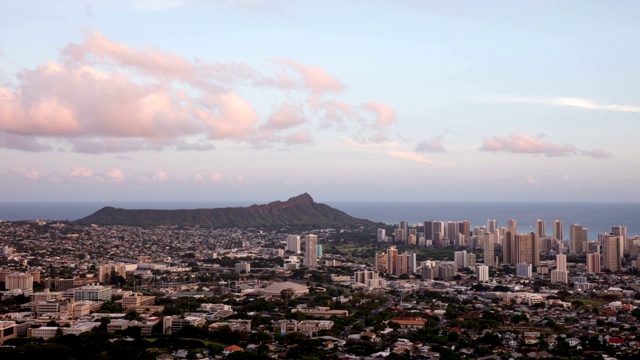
<point x="597" y="217"/>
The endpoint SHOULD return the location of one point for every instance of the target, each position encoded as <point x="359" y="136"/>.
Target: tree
<point x="287" y="294"/>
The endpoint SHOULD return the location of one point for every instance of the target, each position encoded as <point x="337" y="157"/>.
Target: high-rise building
<point x="413" y="263"/>
<point x="471" y="260"/>
<point x="611" y="251"/>
<point x="482" y="273"/>
<point x="428" y="229"/>
<point x="452" y="230"/>
<point x="622" y="232"/>
<point x="561" y="262"/>
<point x="392" y="258"/>
<point x="311" y="252"/>
<point x="460" y="259"/>
<point x="382" y="262"/>
<point x="404" y="226"/>
<point x="488" y="249"/>
<point x="593" y="263"/>
<point x="558" y="230"/>
<point x="508" y="247"/>
<point x="403" y="264"/>
<point x="527" y="249"/>
<point x="512" y="224"/>
<point x="382" y="235"/>
<point x="540" y="228"/>
<point x="319" y="251"/>
<point x="575" y="240"/>
<point x="464" y="228"/>
<point x="492" y="225"/>
<point x="398" y="235"/>
<point x="293" y="244"/>
<point x="560" y="274"/>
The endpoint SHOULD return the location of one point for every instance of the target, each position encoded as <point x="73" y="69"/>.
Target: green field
<point x="588" y="302"/>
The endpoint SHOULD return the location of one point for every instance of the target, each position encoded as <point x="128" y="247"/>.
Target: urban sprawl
<point x="435" y="290"/>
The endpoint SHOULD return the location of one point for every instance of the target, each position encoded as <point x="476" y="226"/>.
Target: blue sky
<point x="256" y="100"/>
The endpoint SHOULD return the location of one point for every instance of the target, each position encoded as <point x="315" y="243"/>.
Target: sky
<point x="261" y="100"/>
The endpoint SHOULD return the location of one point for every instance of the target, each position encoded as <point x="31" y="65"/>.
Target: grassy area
<point x="588" y="302"/>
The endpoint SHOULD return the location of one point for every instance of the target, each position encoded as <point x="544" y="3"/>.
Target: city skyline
<point x="261" y="100"/>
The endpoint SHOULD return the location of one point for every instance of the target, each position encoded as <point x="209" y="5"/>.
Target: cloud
<point x="432" y="145"/>
<point x="385" y="115"/>
<point x="82" y="172"/>
<point x="159" y="176"/>
<point x="315" y="78"/>
<point x="412" y="156"/>
<point x="576" y="102"/>
<point x="300" y="137"/>
<point x="597" y="154"/>
<point x="286" y="116"/>
<point x="114" y="175"/>
<point x="517" y="143"/>
<point x="525" y="144"/>
<point x="104" y="96"/>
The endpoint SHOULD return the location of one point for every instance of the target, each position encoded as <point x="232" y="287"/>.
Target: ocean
<point x="598" y="217"/>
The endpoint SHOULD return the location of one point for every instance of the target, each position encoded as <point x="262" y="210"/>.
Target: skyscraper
<point x="311" y="252"/>
<point x="575" y="240"/>
<point x="558" y="230"/>
<point x="460" y="259"/>
<point x="621" y="231"/>
<point x="527" y="249"/>
<point x="403" y="264"/>
<point x="452" y="230"/>
<point x="560" y="274"/>
<point x="428" y="230"/>
<point x="612" y="255"/>
<point x="507" y="248"/>
<point x="405" y="231"/>
<point x="381" y="235"/>
<point x="488" y="249"/>
<point x="593" y="263"/>
<point x="492" y="225"/>
<point x="392" y="258"/>
<point x="464" y="228"/>
<point x="293" y="244"/>
<point x="540" y="228"/>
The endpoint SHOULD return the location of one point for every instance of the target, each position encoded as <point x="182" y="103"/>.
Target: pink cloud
<point x="315" y="78"/>
<point x="215" y="177"/>
<point x="411" y="156"/>
<point x="285" y="117"/>
<point x="105" y="96"/>
<point x="385" y="115"/>
<point x="432" y="145"/>
<point x="82" y="172"/>
<point x="525" y="144"/>
<point x="115" y="175"/>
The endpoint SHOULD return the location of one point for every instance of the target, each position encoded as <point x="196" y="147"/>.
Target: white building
<point x="293" y="244"/>
<point x="524" y="270"/>
<point x="19" y="281"/>
<point x="483" y="273"/>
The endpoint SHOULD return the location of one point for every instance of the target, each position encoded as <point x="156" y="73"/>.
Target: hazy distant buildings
<point x="622" y="232"/>
<point x="382" y="235"/>
<point x="404" y="226"/>
<point x="524" y="270"/>
<point x="492" y="225"/>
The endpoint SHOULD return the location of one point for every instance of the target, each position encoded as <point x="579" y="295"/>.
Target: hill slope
<point x="297" y="211"/>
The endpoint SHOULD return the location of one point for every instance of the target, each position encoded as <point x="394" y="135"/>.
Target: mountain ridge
<point x="299" y="210"/>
